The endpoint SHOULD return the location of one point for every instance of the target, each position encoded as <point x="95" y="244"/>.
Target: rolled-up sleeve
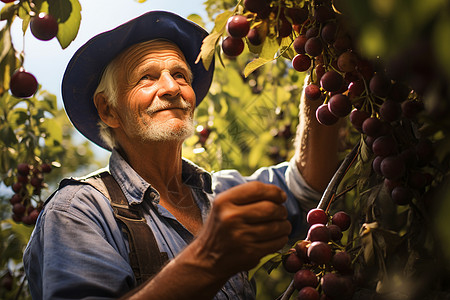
<point x="300" y="196"/>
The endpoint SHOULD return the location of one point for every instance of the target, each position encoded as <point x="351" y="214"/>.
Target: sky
<point x="47" y="61"/>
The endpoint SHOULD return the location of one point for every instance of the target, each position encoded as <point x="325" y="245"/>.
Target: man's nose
<point x="167" y="85"/>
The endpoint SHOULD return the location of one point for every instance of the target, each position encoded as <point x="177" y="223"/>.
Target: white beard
<point x="166" y="132"/>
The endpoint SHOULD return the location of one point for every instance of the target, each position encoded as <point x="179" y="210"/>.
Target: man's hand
<point x="246" y="223"/>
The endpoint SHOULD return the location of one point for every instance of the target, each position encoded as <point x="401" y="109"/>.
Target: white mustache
<point x="170" y="105"/>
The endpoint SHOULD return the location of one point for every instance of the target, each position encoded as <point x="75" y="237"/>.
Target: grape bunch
<point x="320" y="263"/>
<point x="26" y="203"/>
<point x="260" y="19"/>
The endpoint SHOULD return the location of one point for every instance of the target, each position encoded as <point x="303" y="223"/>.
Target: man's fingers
<point x="270" y="231"/>
<point x="261" y="212"/>
<point x="252" y="192"/>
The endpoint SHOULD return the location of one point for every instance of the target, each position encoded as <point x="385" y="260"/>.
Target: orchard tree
<point x="380" y="229"/>
<point x="36" y="148"/>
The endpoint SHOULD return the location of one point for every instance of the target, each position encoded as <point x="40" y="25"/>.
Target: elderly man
<point x="133" y="90"/>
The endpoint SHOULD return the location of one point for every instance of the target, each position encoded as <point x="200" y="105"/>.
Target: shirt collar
<point x="136" y="188"/>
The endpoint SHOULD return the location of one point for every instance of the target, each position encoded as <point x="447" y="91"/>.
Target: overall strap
<point x="145" y="258"/>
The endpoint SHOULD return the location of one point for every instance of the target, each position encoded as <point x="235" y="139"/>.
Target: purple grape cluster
<point x="321" y="266"/>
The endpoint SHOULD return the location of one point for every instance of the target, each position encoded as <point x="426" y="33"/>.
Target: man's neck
<point x="159" y="163"/>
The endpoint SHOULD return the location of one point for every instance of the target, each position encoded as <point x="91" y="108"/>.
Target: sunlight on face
<point x="155" y="101"/>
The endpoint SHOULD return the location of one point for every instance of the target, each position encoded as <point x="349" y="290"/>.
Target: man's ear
<point x="105" y="111"/>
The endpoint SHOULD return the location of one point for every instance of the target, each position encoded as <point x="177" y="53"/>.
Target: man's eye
<point x="179" y="76"/>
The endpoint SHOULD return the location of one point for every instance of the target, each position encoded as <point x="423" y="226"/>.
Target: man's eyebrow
<point x="177" y="66"/>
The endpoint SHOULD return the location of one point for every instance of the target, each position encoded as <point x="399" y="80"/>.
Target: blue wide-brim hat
<point x="85" y="69"/>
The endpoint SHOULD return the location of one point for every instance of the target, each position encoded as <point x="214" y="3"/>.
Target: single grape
<point x="347" y="61"/>
<point x="23" y="169"/>
<point x="317" y="216"/>
<point x="17" y="187"/>
<point x="319" y="253"/>
<point x="356" y="89"/>
<point x="312" y="32"/>
<point x="299" y="44"/>
<point x="313" y="46"/>
<point x="402" y="195"/>
<point x="312" y="92"/>
<point x="392" y="167"/>
<point x="376" y="164"/>
<point x="390" y="111"/>
<point x="384" y="145"/>
<point x="372" y="127"/>
<point x="238" y="26"/>
<point x="301" y="62"/>
<point x="339" y="105"/>
<point x="305" y="277"/>
<point x="341" y="219"/>
<point x="308" y="293"/>
<point x="342" y="43"/>
<point x="342" y="262"/>
<point x="335" y="232"/>
<point x="16" y="198"/>
<point x="318" y="232"/>
<point x="357" y="117"/>
<point x="232" y="46"/>
<point x="292" y="263"/>
<point x="44" y="26"/>
<point x="324" y="116"/>
<point x="379" y="85"/>
<point x="328" y="33"/>
<point x="331" y="81"/>
<point x="23" y="84"/>
<point x="18" y="209"/>
<point x="254" y="37"/>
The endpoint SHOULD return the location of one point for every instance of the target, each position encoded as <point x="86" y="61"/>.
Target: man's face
<point x="155" y="98"/>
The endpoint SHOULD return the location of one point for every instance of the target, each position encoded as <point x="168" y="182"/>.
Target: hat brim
<point x="85" y="69"/>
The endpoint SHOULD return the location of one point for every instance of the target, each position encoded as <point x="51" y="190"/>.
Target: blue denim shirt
<point x="78" y="251"/>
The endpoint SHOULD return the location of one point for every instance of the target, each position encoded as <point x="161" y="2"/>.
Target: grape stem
<point x="330" y="191"/>
<point x="288" y="292"/>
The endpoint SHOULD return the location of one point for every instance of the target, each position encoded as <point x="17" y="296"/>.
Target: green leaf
<point x="25" y="22"/>
<point x="24" y="10"/>
<point x="53" y="129"/>
<point x="68" y="15"/>
<point x="207" y="50"/>
<point x="196" y="19"/>
<point x="255" y="64"/>
<point x="274" y="256"/>
<point x="268" y="53"/>
<point x="209" y="43"/>
<point x="5" y="41"/>
<point x="8" y="12"/>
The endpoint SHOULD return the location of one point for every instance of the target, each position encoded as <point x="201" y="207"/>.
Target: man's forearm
<point x="316" y="146"/>
<point x="185" y="277"/>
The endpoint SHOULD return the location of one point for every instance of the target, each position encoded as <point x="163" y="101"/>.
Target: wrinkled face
<point x="155" y="98"/>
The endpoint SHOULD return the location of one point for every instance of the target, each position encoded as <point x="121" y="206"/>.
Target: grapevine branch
<point x="330" y="192"/>
<point x="327" y="198"/>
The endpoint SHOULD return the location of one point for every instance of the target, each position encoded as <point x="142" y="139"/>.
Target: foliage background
<point x="251" y="121"/>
